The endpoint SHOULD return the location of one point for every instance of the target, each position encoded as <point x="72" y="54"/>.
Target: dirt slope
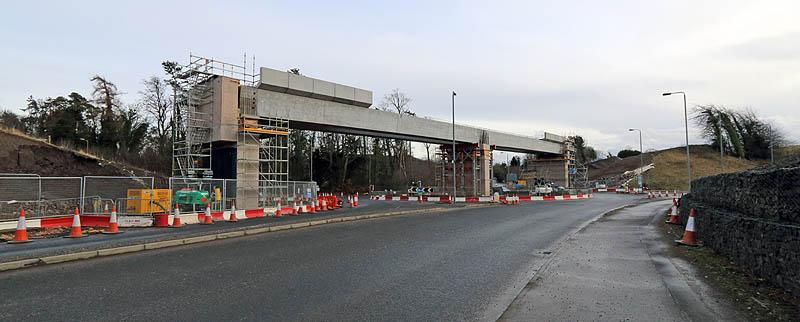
<point x="23" y="154"/>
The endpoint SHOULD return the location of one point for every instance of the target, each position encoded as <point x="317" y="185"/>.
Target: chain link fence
<point x="100" y="193"/>
<point x="223" y="192"/>
<point x="39" y="196"/>
<point x="60" y="196"/>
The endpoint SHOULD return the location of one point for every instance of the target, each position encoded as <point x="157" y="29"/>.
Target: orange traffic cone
<point x="278" y="211"/>
<point x="113" y="226"/>
<point x="673" y="214"/>
<point x="689" y="238"/>
<point x="324" y="204"/>
<point x="208" y="220"/>
<point x="313" y="206"/>
<point x="21" y="235"/>
<point x="76" y="232"/>
<point x="232" y="217"/>
<point x="176" y="218"/>
<point x="355" y="200"/>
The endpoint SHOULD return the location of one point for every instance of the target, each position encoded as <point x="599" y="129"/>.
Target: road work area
<point x="466" y="264"/>
<point x="137" y="236"/>
<point x="616" y="269"/>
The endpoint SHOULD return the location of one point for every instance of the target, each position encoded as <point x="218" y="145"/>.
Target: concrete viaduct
<point x="313" y="104"/>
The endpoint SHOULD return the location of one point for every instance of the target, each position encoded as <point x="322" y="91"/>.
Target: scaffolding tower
<point x="191" y="144"/>
<point x="472" y="169"/>
<point x="263" y="148"/>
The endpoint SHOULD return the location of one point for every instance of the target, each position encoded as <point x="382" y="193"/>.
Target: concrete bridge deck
<point x="312" y="104"/>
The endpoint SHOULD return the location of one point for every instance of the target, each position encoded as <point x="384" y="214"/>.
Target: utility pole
<point x="686" y="124"/>
<point x="311" y="158"/>
<point x="454" y="147"/>
<point x="721" y="153"/>
<point x="641" y="159"/>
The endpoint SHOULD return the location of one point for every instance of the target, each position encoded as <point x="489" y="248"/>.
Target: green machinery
<point x="192" y="197"/>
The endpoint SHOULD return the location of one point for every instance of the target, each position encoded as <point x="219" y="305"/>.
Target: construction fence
<point x="60" y="196"/>
<point x="222" y="193"/>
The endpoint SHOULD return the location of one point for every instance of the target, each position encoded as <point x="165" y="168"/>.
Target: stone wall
<point x="753" y="218"/>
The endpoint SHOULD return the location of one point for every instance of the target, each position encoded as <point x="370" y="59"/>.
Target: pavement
<point x="467" y="264"/>
<point x="616" y="269"/>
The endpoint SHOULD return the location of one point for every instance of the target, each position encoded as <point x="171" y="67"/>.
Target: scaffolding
<point x="472" y="169"/>
<point x="192" y="119"/>
<point x="191" y="147"/>
<point x="263" y="159"/>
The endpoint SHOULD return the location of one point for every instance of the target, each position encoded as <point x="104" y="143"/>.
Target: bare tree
<point x="156" y="102"/>
<point x="398" y="101"/>
<point x="106" y="95"/>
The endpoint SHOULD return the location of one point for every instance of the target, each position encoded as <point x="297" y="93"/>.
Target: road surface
<point x="461" y="265"/>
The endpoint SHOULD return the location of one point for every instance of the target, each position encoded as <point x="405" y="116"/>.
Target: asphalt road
<point x="462" y="265"/>
<point x="56" y="246"/>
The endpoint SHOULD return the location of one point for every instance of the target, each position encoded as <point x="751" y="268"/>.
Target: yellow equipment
<point x="143" y="201"/>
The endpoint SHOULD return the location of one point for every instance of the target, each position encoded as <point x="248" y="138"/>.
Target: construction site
<point x="231" y="149"/>
<point x="234" y="123"/>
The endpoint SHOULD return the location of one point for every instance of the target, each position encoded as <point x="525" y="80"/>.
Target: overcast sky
<point x="593" y="68"/>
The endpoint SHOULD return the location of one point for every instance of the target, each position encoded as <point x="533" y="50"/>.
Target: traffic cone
<point x="689" y="238"/>
<point x="324" y="204"/>
<point x="76" y="232"/>
<point x="350" y="201"/>
<point x="232" y="217"/>
<point x="208" y="220"/>
<point x="21" y="235"/>
<point x="113" y="226"/>
<point x="673" y="214"/>
<point x="278" y="211"/>
<point x="355" y="200"/>
<point x="313" y="207"/>
<point x="176" y="218"/>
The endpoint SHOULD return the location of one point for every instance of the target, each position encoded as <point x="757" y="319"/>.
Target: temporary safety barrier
<point x="482" y="199"/>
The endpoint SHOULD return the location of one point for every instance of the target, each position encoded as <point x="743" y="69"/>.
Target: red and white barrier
<point x="604" y="190"/>
<point x="103" y="221"/>
<point x="445" y="199"/>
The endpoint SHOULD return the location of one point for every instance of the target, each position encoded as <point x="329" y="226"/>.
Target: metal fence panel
<point x="39" y="196"/>
<point x="101" y="192"/>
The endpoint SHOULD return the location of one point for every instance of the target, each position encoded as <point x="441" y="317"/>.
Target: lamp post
<point x="641" y="159"/>
<point x="454" y="147"/>
<point x="686" y="124"/>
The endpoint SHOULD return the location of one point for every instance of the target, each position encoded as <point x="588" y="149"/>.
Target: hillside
<point x="669" y="170"/>
<point x="20" y="153"/>
<point x="670" y="166"/>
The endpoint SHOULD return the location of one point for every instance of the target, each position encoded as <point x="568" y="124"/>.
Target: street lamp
<point x="454" y="147"/>
<point x="641" y="159"/>
<point x="686" y="124"/>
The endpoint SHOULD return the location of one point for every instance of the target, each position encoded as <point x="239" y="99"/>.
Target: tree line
<point x="739" y="133"/>
<point x="138" y="133"/>
<point x="345" y="162"/>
